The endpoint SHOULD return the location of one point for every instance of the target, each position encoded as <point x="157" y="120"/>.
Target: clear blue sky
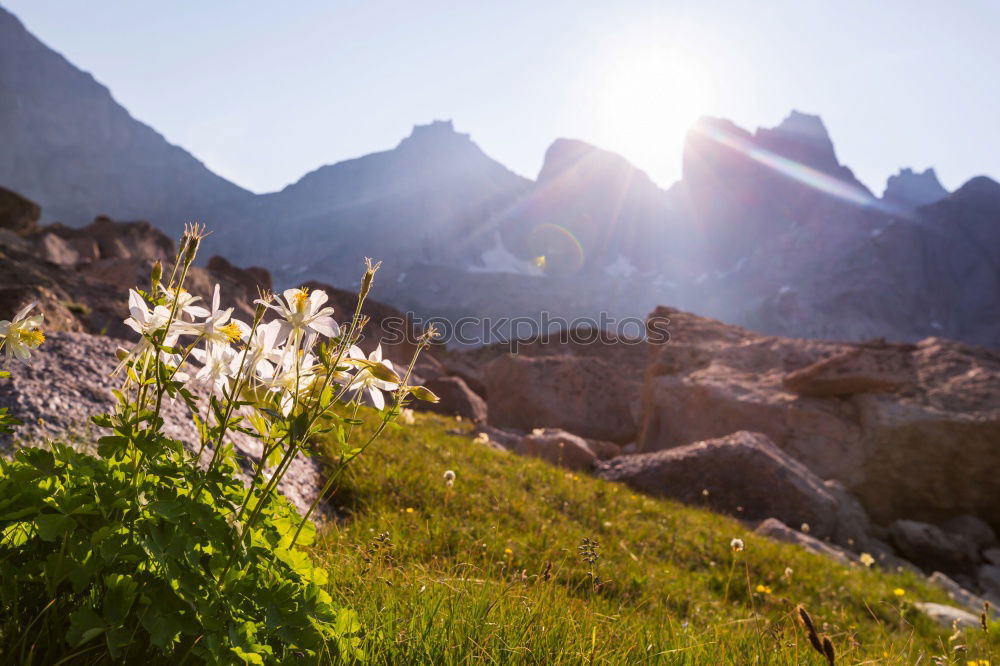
<point x="264" y="91"/>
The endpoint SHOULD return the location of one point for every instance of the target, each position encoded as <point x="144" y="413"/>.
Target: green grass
<point x="488" y="572"/>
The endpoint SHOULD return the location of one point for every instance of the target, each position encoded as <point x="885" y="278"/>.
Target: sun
<point x="646" y="103"/>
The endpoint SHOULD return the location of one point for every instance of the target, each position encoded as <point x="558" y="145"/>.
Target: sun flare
<point x="648" y="101"/>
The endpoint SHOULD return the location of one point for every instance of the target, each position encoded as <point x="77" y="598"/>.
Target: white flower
<point x="185" y="302"/>
<point x="293" y="378"/>
<point x="217" y="328"/>
<point x="302" y="313"/>
<point x="146" y="322"/>
<point x="219" y="363"/>
<point x="264" y="349"/>
<point x="366" y="383"/>
<point x="867" y="559"/>
<point x="22" y="334"/>
<point x="449" y="478"/>
<point x="736" y="545"/>
<point x="143" y="320"/>
<point x="406" y="416"/>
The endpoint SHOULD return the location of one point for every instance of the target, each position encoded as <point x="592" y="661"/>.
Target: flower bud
<point x="156" y="274"/>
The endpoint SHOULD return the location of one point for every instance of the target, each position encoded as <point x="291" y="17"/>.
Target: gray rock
<point x="957" y="593"/>
<point x="745" y="475"/>
<point x="585" y="396"/>
<point x="988" y="577"/>
<point x="946" y="616"/>
<point x="992" y="556"/>
<point x="974" y="530"/>
<point x="558" y="447"/>
<point x="777" y="530"/>
<point x="930" y="547"/>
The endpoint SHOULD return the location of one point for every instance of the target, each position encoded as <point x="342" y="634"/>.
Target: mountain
<point x="430" y="199"/>
<point x="766" y="229"/>
<point x="589" y="209"/>
<point x="909" y="189"/>
<point x="70" y="146"/>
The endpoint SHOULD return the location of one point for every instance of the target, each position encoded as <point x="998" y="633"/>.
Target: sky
<point x="265" y="91"/>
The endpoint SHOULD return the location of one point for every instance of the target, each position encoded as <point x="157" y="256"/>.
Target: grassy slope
<point x="463" y="579"/>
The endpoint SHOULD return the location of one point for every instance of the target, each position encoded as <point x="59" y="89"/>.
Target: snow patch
<point x="498" y="259"/>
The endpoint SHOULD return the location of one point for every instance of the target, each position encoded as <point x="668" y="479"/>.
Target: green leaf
<point x="111" y="445"/>
<point x="84" y="625"/>
<point x="40" y="459"/>
<point x="51" y="526"/>
<point x="119" y="597"/>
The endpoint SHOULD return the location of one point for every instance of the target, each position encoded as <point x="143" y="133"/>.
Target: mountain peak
<point x="436" y="131"/>
<point x="913" y="189"/>
<point x="801" y="137"/>
<point x="805" y="125"/>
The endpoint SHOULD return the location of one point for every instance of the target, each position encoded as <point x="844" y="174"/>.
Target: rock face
<point x="745" y="475"/>
<point x="585" y="396"/>
<point x="80" y="276"/>
<point x="917" y="441"/>
<point x="68" y="381"/>
<point x="69" y="146"/>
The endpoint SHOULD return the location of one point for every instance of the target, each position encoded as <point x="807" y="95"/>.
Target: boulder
<point x="557" y="447"/>
<point x="988" y="577"/>
<point x="974" y="530"/>
<point x="992" y="556"/>
<point x="603" y="449"/>
<point x="948" y="616"/>
<point x="457" y="399"/>
<point x="586" y="396"/>
<point x="958" y="594"/>
<point x="930" y="547"/>
<point x="777" y="530"/>
<point x="744" y="474"/>
<point x="55" y="250"/>
<point x="922" y="446"/>
<point x="251" y="279"/>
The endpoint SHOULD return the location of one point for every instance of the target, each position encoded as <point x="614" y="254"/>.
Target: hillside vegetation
<point x="491" y="570"/>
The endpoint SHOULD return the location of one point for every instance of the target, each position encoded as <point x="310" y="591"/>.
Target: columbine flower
<point x="867" y="559"/>
<point x="293" y="378"/>
<point x="219" y="363"/>
<point x="736" y="545"/>
<point x="185" y="302"/>
<point x="218" y="327"/>
<point x="145" y="322"/>
<point x="366" y="383"/>
<point x="303" y="313"/>
<point x="449" y="478"/>
<point x="22" y="334"/>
